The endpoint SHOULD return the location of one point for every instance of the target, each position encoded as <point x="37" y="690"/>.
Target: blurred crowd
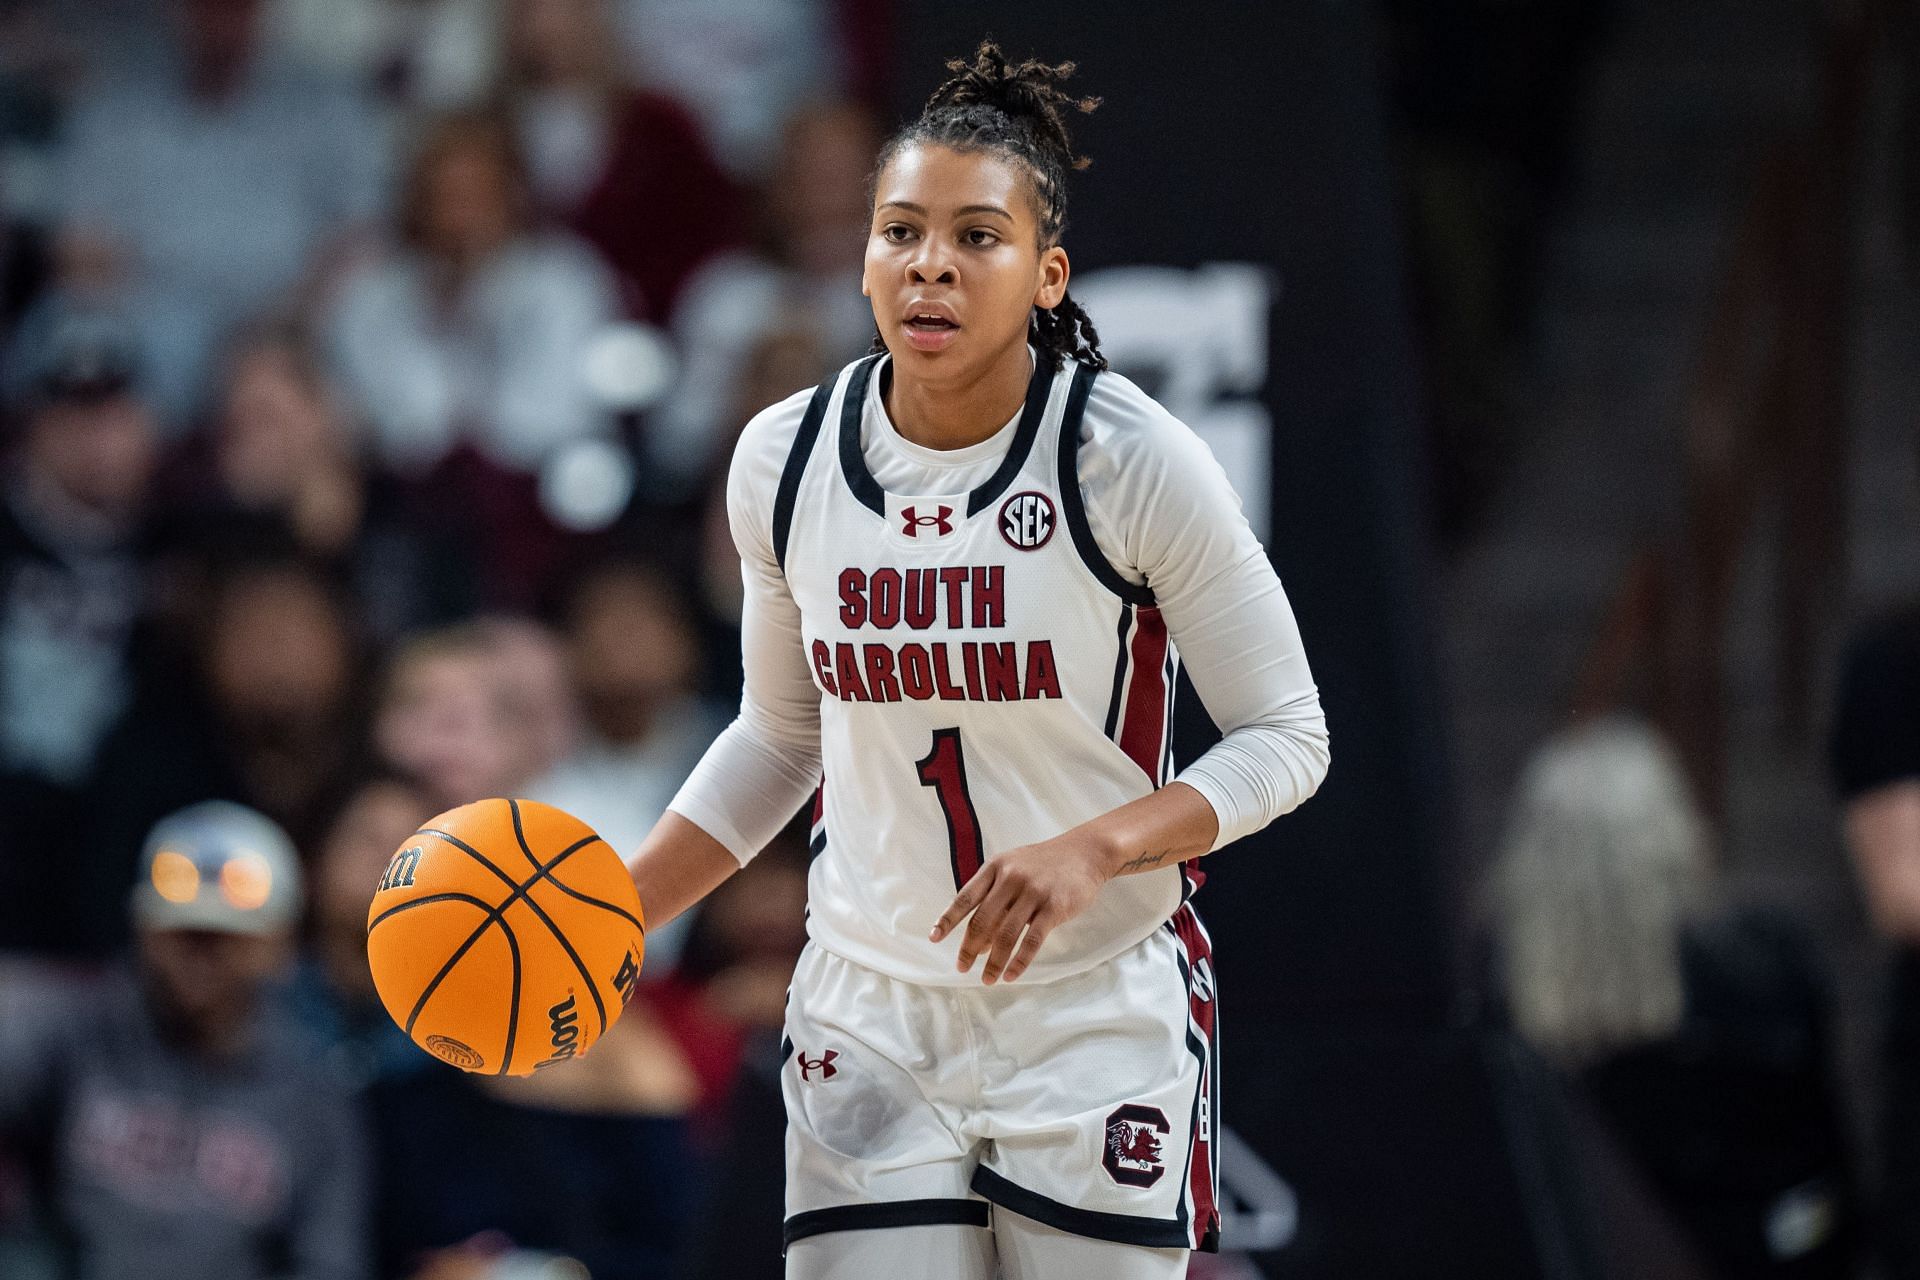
<point x="367" y="373"/>
<point x="368" y="369"/>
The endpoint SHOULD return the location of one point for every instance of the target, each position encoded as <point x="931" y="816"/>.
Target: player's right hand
<point x="1031" y="890"/>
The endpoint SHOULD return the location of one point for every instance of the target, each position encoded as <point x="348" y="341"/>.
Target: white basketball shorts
<point x="1087" y="1104"/>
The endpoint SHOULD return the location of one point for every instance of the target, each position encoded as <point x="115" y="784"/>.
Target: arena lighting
<point x="175" y="878"/>
<point x="585" y="485"/>
<point x="246" y="882"/>
<point x="630" y="367"/>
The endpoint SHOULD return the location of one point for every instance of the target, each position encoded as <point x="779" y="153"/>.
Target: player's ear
<point x="1054" y="270"/>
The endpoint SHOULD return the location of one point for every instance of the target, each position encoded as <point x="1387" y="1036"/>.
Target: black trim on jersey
<point x="1075" y="504"/>
<point x="797" y="456"/>
<point x="1119" y="670"/>
<point x="1121" y="1228"/>
<point x="853" y="464"/>
<point x="1172" y="677"/>
<point x="853" y="461"/>
<point x="1039" y="387"/>
<point x="889" y="1213"/>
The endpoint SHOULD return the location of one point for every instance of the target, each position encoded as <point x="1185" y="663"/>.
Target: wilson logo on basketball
<point x="400" y="872"/>
<point x="451" y="1050"/>
<point x="913" y="520"/>
<point x="564" y="1019"/>
<point x="1027" y="520"/>
<point x="1132" y="1154"/>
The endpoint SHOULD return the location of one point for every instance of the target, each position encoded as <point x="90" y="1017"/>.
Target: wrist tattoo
<point x="1144" y="861"/>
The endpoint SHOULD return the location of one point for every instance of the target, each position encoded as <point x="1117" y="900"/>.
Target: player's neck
<point x="954" y="415"/>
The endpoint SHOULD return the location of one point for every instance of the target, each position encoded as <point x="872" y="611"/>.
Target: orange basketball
<point x="505" y="936"/>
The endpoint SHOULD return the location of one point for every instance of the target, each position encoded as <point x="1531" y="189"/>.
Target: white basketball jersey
<point x="987" y="680"/>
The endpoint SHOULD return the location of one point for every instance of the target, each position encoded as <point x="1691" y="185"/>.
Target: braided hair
<point x="1017" y="110"/>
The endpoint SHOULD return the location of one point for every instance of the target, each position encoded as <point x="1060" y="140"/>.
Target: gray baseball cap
<point x="221" y="867"/>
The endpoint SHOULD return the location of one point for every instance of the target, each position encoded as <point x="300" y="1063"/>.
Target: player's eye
<point x="980" y="238"/>
<point x="897" y="233"/>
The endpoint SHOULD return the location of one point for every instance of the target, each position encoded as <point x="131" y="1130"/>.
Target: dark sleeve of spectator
<point x="331" y="1233"/>
<point x="34" y="1014"/>
<point x="1876" y="727"/>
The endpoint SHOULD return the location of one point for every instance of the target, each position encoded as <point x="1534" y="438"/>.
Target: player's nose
<point x="931" y="265"/>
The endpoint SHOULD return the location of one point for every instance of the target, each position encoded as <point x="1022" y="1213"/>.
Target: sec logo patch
<point x="1027" y="520"/>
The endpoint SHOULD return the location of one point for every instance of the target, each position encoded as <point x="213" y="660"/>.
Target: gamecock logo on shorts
<point x="1132" y="1154"/>
<point x="1027" y="520"/>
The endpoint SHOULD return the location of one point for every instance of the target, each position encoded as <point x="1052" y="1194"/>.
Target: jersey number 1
<point x="945" y="770"/>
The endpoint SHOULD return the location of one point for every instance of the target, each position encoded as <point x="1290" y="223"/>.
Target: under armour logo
<point x="823" y="1064"/>
<point x="912" y="522"/>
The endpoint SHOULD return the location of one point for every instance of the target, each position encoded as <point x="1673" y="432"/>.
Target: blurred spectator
<point x="467" y="353"/>
<point x="34" y="65"/>
<point x="531" y="664"/>
<point x="1700" y="1032"/>
<point x="796" y="294"/>
<point x="476" y="331"/>
<point x="266" y="714"/>
<point x="630" y="652"/>
<point x="1876" y="765"/>
<point x="482" y="1177"/>
<point x="283" y="472"/>
<point x="70" y="594"/>
<point x="202" y="188"/>
<point x="412" y="56"/>
<point x="332" y="995"/>
<point x="474" y="710"/>
<point x="627" y="170"/>
<point x="742" y="65"/>
<point x="182" y="1132"/>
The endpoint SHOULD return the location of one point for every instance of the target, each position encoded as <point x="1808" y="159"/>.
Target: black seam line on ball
<point x="521" y="835"/>
<point x="495" y="914"/>
<point x="513" y="1010"/>
<point x="481" y="903"/>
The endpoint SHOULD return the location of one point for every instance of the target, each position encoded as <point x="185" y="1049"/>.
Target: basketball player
<point x="970" y="560"/>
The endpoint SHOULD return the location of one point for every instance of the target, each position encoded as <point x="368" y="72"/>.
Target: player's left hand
<point x="1035" y="888"/>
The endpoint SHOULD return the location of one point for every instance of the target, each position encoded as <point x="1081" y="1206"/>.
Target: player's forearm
<point x="1158" y="830"/>
<point x="677" y="865"/>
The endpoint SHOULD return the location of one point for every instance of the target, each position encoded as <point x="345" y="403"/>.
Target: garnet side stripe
<point x="1201" y="1000"/>
<point x="1143" y="730"/>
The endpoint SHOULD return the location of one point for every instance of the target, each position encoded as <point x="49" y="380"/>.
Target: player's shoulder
<point x="772" y="430"/>
<point x="760" y="454"/>
<point x="1126" y="426"/>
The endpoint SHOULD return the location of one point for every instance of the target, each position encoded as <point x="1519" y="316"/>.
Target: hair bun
<point x="1029" y="90"/>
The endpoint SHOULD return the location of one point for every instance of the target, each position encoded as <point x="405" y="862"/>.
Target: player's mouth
<point x="930" y="326"/>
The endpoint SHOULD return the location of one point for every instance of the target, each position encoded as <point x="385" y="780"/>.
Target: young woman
<point x="968" y="560"/>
